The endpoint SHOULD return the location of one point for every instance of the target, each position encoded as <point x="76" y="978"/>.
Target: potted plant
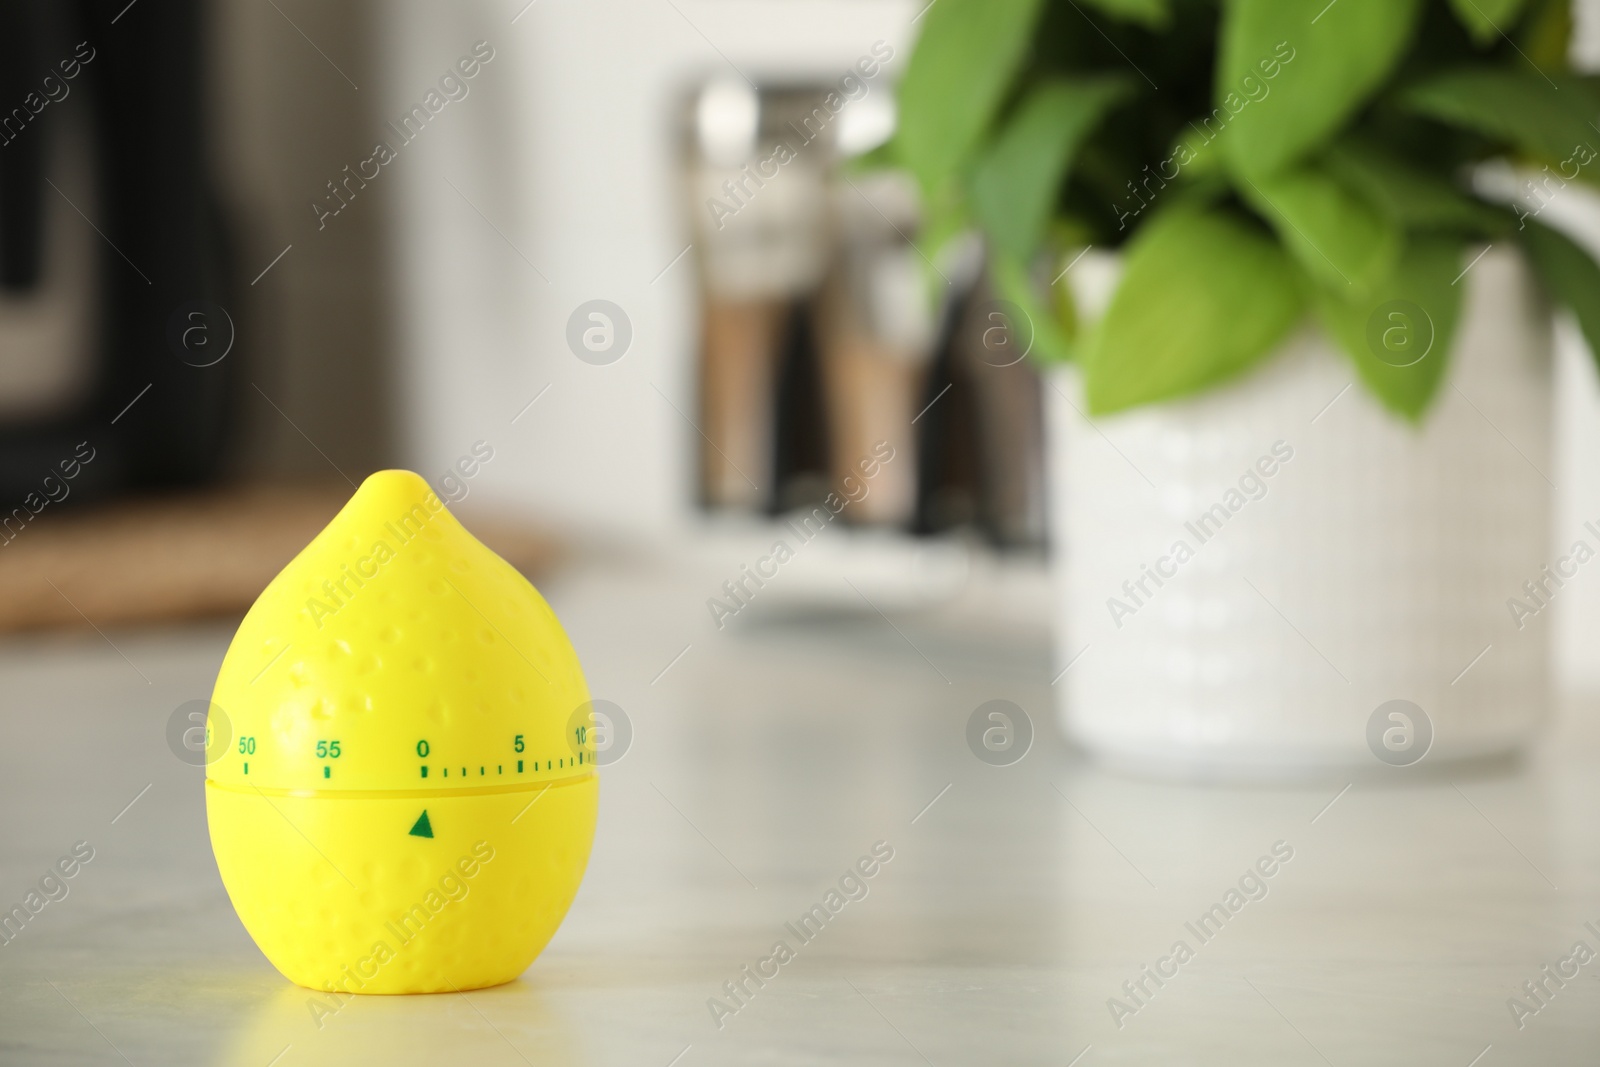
<point x="1299" y="352"/>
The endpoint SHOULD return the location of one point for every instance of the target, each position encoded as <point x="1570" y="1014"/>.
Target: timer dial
<point x="407" y="795"/>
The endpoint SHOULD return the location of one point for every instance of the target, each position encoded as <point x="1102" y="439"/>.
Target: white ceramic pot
<point x="1346" y="559"/>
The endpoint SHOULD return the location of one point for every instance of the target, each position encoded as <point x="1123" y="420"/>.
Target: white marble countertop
<point x="766" y="760"/>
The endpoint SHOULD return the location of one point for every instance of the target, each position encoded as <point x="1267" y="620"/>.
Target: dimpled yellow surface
<point x="400" y="789"/>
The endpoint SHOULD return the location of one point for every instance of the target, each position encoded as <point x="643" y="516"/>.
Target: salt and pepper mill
<point x="825" y="330"/>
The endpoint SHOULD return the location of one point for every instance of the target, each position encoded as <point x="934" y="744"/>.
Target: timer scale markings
<point x="423" y="749"/>
<point x="500" y="768"/>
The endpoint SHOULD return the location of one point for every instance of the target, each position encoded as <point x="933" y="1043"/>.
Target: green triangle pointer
<point x="422" y="828"/>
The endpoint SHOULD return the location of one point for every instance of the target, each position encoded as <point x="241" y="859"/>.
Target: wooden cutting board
<point x="186" y="556"/>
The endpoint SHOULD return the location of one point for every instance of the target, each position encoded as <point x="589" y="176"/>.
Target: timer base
<point x="357" y="892"/>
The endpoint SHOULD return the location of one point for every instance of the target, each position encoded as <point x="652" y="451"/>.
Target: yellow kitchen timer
<point x="404" y="796"/>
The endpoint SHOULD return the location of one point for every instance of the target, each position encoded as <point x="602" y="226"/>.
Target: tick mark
<point x="247" y="766"/>
<point x="424" y="772"/>
<point x="519" y="766"/>
<point x="327" y="772"/>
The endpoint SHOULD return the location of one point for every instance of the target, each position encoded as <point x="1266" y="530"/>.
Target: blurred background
<point x="246" y="298"/>
<point x="304" y="311"/>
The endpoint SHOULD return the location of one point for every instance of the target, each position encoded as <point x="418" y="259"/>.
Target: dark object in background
<point x="983" y="435"/>
<point x="947" y="452"/>
<point x="25" y="33"/>
<point x="762" y="246"/>
<point x="992" y="342"/>
<point x="161" y="267"/>
<point x="800" y="466"/>
<point x="875" y="338"/>
<point x="817" y="337"/>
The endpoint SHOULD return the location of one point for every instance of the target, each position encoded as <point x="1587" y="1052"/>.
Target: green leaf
<point x="1048" y="339"/>
<point x="1414" y="198"/>
<point x="1486" y="20"/>
<point x="1521" y="108"/>
<point x="964" y="62"/>
<point x="1203" y="296"/>
<point x="945" y="220"/>
<point x="1414" y="310"/>
<point x="1016" y="182"/>
<point x="880" y="157"/>
<point x="1339" y="238"/>
<point x="1547" y="34"/>
<point x="1291" y="72"/>
<point x="1570" y="275"/>
<point x="1152" y="14"/>
<point x="1195" y="153"/>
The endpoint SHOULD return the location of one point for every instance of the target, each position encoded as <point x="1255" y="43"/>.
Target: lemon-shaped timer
<point x="408" y="793"/>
